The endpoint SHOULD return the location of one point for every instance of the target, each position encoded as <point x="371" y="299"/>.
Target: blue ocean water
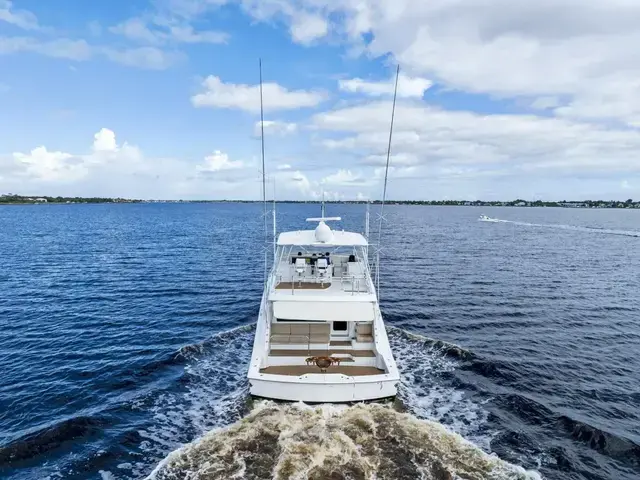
<point x="125" y="330"/>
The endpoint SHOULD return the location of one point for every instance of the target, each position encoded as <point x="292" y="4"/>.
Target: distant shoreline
<point x="10" y="199"/>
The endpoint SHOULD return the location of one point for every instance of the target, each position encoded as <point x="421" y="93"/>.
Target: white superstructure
<point x="320" y="336"/>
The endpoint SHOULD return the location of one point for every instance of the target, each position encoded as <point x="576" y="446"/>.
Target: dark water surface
<point x="125" y="331"/>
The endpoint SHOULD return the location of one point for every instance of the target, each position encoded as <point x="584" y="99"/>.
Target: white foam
<point x="421" y="362"/>
<point x="300" y="442"/>
<point x="214" y="395"/>
<point x="576" y="228"/>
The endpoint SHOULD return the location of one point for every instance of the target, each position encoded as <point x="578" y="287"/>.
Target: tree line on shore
<point x="11" y="198"/>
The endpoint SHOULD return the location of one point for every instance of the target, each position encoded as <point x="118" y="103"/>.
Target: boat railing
<point x="353" y="283"/>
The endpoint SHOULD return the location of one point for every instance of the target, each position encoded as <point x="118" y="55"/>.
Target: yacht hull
<point x="301" y="389"/>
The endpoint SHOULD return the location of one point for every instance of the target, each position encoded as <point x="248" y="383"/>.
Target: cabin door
<point x="339" y="329"/>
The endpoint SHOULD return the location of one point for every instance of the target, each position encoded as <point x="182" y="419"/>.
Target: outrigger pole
<point x="264" y="178"/>
<point x="264" y="190"/>
<point x="384" y="190"/>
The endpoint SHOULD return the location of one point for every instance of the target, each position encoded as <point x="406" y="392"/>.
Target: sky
<point x="159" y="99"/>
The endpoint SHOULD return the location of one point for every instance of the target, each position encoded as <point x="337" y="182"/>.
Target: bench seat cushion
<point x="364" y="338"/>
<point x="279" y="339"/>
<point x="280" y="329"/>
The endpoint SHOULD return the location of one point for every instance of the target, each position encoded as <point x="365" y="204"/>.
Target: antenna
<point x="264" y="177"/>
<point x="384" y="190"/>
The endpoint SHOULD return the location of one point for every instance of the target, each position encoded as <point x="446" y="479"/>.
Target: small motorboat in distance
<point x="484" y="218"/>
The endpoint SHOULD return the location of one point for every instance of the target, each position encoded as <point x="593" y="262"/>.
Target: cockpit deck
<point x="298" y="370"/>
<point x="302" y="286"/>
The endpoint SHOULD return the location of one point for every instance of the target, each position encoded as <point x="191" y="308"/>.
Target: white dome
<point x="323" y="233"/>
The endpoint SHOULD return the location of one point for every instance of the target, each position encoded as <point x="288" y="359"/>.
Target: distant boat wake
<point x="605" y="231"/>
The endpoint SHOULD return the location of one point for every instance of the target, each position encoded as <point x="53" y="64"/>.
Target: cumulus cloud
<point x="50" y="166"/>
<point x="105" y="141"/>
<point x="407" y="86"/>
<point x="218" y="94"/>
<point x="219" y="161"/>
<point x="112" y="168"/>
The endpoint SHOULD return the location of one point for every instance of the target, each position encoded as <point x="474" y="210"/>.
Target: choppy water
<point x="125" y="332"/>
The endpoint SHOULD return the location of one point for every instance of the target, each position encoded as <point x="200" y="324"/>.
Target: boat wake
<point x="371" y="441"/>
<point x="421" y="436"/>
<point x="604" y="231"/>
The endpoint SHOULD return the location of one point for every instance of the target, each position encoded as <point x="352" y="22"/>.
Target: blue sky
<point x="158" y="98"/>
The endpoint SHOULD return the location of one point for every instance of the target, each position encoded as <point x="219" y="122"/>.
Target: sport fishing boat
<point x="320" y="335"/>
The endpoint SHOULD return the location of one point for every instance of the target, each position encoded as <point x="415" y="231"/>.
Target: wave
<point x="48" y="439"/>
<point x="366" y="441"/>
<point x="213" y="393"/>
<point x="601" y="230"/>
<point x="612" y="445"/>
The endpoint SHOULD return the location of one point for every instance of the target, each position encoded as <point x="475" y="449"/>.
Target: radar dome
<point x="323" y="233"/>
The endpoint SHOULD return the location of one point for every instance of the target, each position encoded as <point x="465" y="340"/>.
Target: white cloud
<point x="18" y="18"/>
<point x="275" y="127"/>
<point x="105" y="141"/>
<point x="143" y="57"/>
<point x="218" y="94"/>
<point x="219" y="161"/>
<point x="115" y="169"/>
<point x="305" y="28"/>
<point x="186" y="34"/>
<point x="544" y="103"/>
<point x="283" y="166"/>
<point x="511" y="49"/>
<point x="80" y="50"/>
<point x="345" y="177"/>
<point x="50" y="166"/>
<point x="455" y="143"/>
<point x="407" y="86"/>
<point x="136" y="29"/>
<point x="142" y="30"/>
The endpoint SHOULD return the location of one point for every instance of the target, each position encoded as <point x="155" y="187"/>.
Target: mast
<point x="264" y="179"/>
<point x="384" y="190"/>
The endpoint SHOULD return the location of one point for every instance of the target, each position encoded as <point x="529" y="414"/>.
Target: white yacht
<point x="320" y="336"/>
<point x="484" y="218"/>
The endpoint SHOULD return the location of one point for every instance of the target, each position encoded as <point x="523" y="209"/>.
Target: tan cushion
<point x="319" y="338"/>
<point x="298" y="339"/>
<point x="364" y="329"/>
<point x="320" y="328"/>
<point x="279" y="339"/>
<point x="300" y="329"/>
<point x="364" y="338"/>
<point x="280" y="329"/>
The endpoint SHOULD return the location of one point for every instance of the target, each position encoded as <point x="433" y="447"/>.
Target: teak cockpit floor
<point x="297" y="370"/>
<point x="320" y="353"/>
<point x="302" y="286"/>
